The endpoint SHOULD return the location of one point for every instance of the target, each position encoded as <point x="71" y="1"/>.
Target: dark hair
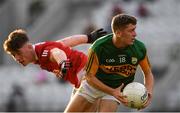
<point x="15" y="41"/>
<point x="121" y="20"/>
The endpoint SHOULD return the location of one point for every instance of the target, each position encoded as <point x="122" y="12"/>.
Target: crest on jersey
<point x="134" y="60"/>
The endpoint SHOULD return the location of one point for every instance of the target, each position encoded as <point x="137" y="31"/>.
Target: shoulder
<point x="140" y="48"/>
<point x="46" y="46"/>
<point x="99" y="43"/>
<point x="140" y="44"/>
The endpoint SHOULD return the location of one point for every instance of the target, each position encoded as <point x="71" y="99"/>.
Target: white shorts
<point x="80" y="76"/>
<point x="91" y="93"/>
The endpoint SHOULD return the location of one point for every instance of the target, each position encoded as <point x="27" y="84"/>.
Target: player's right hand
<point x="147" y="103"/>
<point x="96" y="34"/>
<point x="119" y="95"/>
<point x="58" y="73"/>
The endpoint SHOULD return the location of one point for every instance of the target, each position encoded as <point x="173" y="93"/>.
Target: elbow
<point x="57" y="55"/>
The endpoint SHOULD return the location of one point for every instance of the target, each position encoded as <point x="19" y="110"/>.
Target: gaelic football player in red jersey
<point x="53" y="56"/>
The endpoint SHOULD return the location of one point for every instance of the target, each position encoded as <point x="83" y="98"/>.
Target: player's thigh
<point x="94" y="107"/>
<point x="78" y="104"/>
<point x="107" y="105"/>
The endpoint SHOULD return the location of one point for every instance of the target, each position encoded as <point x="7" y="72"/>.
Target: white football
<point x="136" y="94"/>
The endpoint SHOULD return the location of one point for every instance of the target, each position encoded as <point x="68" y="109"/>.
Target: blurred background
<point x="32" y="89"/>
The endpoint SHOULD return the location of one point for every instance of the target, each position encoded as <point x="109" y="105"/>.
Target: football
<point x="136" y="94"/>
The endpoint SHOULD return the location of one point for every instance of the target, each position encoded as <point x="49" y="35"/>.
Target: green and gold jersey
<point x="113" y="65"/>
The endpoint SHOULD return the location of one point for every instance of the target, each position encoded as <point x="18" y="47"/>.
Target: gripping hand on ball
<point x="148" y="101"/>
<point x="119" y="95"/>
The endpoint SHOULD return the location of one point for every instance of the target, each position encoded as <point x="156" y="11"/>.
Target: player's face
<point x="129" y="34"/>
<point x="24" y="55"/>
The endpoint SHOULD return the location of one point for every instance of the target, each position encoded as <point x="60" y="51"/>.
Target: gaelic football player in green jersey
<point x="112" y="63"/>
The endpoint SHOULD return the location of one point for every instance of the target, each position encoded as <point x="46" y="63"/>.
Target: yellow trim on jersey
<point x="145" y="65"/>
<point x="93" y="63"/>
<point x="90" y="58"/>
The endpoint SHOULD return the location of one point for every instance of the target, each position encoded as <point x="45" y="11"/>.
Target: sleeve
<point x="143" y="50"/>
<point x="93" y="63"/>
<point x="145" y="64"/>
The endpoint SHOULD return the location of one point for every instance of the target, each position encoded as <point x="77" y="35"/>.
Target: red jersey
<point x="77" y="58"/>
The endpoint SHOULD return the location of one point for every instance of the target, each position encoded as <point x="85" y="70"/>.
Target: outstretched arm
<point x="75" y="40"/>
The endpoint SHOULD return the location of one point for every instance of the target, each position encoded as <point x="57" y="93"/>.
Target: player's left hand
<point x="148" y="101"/>
<point x="95" y="35"/>
<point x="65" y="66"/>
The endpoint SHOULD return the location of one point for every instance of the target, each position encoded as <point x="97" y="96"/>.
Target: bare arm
<point x="57" y="55"/>
<point x="148" y="78"/>
<point x="74" y="40"/>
